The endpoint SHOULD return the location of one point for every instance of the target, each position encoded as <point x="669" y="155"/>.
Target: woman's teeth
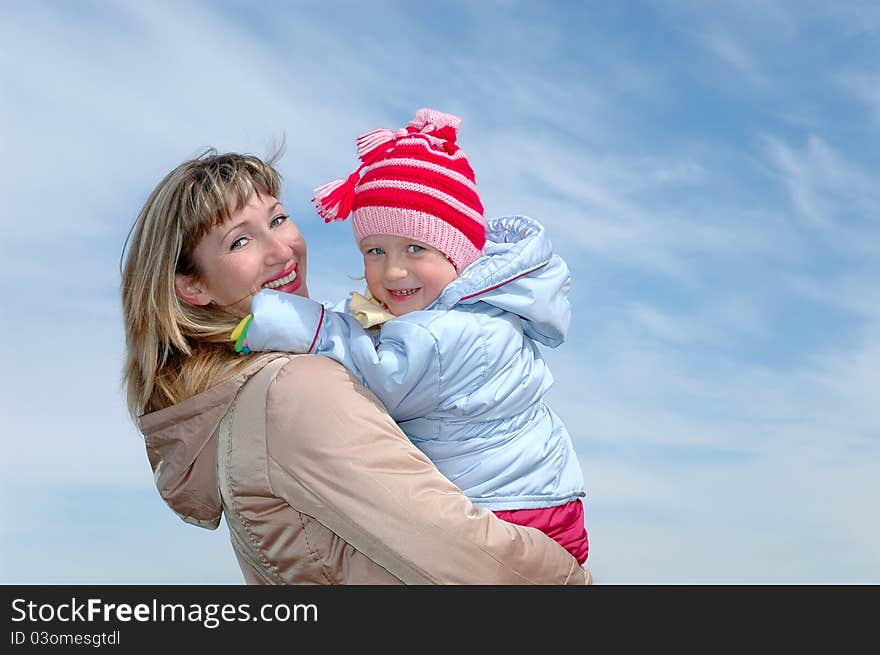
<point x="280" y="282"/>
<point x="402" y="292"/>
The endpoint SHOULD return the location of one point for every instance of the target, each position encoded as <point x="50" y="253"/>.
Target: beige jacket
<point x="319" y="486"/>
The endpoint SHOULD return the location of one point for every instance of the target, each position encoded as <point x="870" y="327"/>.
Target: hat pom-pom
<point x="334" y="199"/>
<point x="445" y="126"/>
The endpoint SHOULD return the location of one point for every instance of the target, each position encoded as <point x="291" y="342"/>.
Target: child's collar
<point x="368" y="311"/>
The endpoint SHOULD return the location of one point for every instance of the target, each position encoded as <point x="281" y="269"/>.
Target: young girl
<point x="446" y="334"/>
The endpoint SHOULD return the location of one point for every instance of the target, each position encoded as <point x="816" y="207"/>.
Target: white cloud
<point x="712" y="324"/>
<point x="736" y="55"/>
<point x="823" y="185"/>
<point x="771" y="519"/>
<point x="866" y="88"/>
<point x="711" y="469"/>
<point x="857" y="293"/>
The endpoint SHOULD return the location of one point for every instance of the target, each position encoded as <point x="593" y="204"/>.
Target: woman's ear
<point x="189" y="289"/>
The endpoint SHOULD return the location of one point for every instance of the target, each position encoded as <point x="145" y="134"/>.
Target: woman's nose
<point x="278" y="249"/>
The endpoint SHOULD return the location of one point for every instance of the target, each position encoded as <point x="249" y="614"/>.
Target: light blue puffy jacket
<point x="464" y="378"/>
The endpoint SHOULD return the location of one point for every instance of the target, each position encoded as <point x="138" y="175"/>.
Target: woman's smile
<point x="284" y="280"/>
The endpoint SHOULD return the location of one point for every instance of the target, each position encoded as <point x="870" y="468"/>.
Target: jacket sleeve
<point x="336" y="455"/>
<point x="402" y="369"/>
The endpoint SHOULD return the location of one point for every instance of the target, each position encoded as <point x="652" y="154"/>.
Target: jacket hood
<point x="181" y="445"/>
<point x="517" y="273"/>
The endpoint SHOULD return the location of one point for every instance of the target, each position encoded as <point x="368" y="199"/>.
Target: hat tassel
<point x="334" y="199"/>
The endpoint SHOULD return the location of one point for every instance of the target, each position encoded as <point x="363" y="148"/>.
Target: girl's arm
<point x="402" y="369"/>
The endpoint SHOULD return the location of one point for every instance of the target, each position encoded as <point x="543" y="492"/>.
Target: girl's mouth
<point x="402" y="293"/>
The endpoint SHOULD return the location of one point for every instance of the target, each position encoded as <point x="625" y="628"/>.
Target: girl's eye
<point x="278" y="220"/>
<point x="375" y="251"/>
<point x="238" y="243"/>
<point x="413" y="249"/>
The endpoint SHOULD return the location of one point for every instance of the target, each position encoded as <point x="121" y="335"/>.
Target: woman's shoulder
<point x="297" y="405"/>
<point x="314" y="390"/>
<point x="308" y="375"/>
<point x="275" y="375"/>
<point x="289" y="375"/>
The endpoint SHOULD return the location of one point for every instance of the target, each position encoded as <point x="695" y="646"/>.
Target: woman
<point x="317" y="483"/>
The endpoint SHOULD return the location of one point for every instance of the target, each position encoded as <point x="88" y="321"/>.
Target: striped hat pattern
<point x="416" y="183"/>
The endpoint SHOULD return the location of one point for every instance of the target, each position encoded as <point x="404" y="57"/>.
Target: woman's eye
<point x="238" y="243"/>
<point x="278" y="220"/>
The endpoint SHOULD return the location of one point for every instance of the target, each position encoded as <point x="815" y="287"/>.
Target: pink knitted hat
<point x="416" y="183"/>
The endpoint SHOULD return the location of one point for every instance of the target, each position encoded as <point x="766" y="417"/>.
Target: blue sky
<point x="711" y="172"/>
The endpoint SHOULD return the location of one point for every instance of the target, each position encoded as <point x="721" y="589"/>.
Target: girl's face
<point x="258" y="248"/>
<point x="403" y="274"/>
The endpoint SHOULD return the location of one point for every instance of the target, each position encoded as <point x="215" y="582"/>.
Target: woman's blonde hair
<point x="176" y="350"/>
